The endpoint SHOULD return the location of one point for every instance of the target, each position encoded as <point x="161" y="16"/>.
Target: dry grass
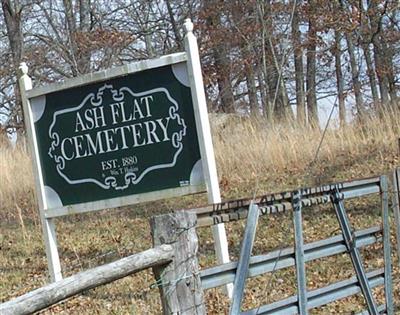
<point x="249" y="151"/>
<point x="16" y="180"/>
<point x="252" y="157"/>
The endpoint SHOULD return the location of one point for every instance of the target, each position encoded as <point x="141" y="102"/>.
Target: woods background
<point x="279" y="62"/>
<point x="259" y="57"/>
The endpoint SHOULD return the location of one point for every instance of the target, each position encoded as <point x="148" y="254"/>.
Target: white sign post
<point x="49" y="231"/>
<point x="206" y="147"/>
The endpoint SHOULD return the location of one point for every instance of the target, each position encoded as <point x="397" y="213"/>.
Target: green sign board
<point x="129" y="135"/>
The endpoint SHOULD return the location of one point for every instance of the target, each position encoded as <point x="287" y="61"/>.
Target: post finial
<point x="188" y="25"/>
<point x="24" y="68"/>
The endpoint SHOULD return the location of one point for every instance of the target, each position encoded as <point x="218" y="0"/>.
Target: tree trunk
<point x="222" y="66"/>
<point x="262" y="87"/>
<point x="12" y="18"/>
<point x="81" y="58"/>
<point x="371" y="75"/>
<point x="70" y="19"/>
<point x="149" y="45"/>
<point x="277" y="89"/>
<point x="355" y="76"/>
<point x="247" y="54"/>
<point x="84" y="27"/>
<point x="379" y="55"/>
<point x="178" y="37"/>
<point x="298" y="66"/>
<point x="312" y="108"/>
<point x="252" y="92"/>
<point x="389" y="57"/>
<point x="380" y="72"/>
<point x="263" y="71"/>
<point x="339" y="79"/>
<point x="365" y="41"/>
<point x="223" y="78"/>
<point x="388" y="60"/>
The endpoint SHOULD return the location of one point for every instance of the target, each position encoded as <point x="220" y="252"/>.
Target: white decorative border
<point x="96" y="100"/>
<point x="181" y="74"/>
<point x="38" y="105"/>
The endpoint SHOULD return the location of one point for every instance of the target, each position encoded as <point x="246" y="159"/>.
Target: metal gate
<point x="350" y="241"/>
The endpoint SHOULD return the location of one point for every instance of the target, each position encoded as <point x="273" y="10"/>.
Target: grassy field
<point x="252" y="158"/>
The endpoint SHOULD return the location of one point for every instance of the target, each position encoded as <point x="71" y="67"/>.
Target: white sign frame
<point x="51" y="211"/>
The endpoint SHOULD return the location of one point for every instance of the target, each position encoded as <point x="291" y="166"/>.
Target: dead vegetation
<point x="252" y="158"/>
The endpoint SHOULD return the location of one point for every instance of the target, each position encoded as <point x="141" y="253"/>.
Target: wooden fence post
<point x="57" y="291"/>
<point x="179" y="282"/>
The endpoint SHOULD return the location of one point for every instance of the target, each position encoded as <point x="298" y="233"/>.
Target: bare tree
<point x="298" y="65"/>
<point x="253" y="51"/>
<point x="220" y="53"/>
<point x="339" y="78"/>
<point x="12" y="12"/>
<point x="311" y="83"/>
<point x="78" y="24"/>
<point x="375" y="19"/>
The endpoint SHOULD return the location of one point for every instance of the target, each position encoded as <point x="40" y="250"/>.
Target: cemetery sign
<point x="118" y="137"/>
<point x="131" y="136"/>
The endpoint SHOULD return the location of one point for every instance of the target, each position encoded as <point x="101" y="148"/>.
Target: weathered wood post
<point x="57" y="291"/>
<point x="179" y="282"/>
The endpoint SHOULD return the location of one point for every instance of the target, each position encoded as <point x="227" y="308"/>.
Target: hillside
<point x="253" y="158"/>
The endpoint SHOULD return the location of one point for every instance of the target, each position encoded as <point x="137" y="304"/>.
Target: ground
<point x="92" y="239"/>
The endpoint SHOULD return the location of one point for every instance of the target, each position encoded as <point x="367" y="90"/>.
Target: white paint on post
<point x="222" y="251"/>
<point x="205" y="141"/>
<point x="49" y="232"/>
<point x="53" y="258"/>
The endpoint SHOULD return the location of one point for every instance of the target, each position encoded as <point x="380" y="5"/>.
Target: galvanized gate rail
<point x="234" y="210"/>
<point x="301" y="253"/>
<point x="243" y="263"/>
<point x="176" y="267"/>
<point x="355" y="256"/>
